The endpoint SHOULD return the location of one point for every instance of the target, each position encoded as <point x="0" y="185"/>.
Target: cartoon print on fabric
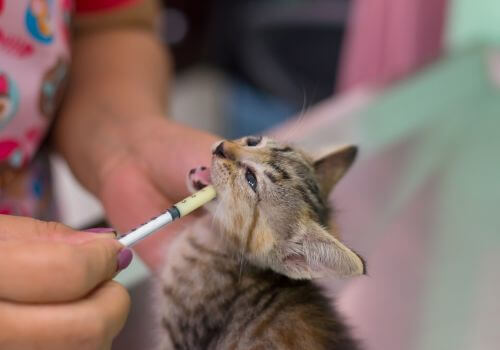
<point x="5" y="209"/>
<point x="9" y="99"/>
<point x="16" y="45"/>
<point x="11" y="154"/>
<point x="38" y="20"/>
<point x="14" y="207"/>
<point x="25" y="190"/>
<point x="11" y="207"/>
<point x="67" y="9"/>
<point x="52" y="89"/>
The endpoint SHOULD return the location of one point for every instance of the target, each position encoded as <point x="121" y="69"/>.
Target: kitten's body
<point x="212" y="301"/>
<point x="217" y="295"/>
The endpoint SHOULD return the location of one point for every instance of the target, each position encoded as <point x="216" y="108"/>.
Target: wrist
<point x="116" y="149"/>
<point x="96" y="138"/>
<point x="108" y="99"/>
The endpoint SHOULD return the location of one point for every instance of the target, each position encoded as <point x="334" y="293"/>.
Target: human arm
<point x="113" y="132"/>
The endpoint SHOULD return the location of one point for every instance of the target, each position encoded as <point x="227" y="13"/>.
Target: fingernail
<point x="108" y="230"/>
<point x="100" y="230"/>
<point x="124" y="258"/>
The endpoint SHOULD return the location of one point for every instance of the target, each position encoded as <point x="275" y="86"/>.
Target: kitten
<point x="242" y="279"/>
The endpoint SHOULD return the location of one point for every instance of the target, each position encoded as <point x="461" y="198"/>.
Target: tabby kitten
<point x="242" y="279"/>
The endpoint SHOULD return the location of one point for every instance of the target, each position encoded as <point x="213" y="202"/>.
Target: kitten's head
<point x="272" y="203"/>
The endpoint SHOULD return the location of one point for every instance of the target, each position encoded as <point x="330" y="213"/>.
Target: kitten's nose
<point x="219" y="150"/>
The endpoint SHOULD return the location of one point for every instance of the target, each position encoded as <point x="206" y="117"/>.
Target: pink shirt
<point x="34" y="60"/>
<point x="34" y="65"/>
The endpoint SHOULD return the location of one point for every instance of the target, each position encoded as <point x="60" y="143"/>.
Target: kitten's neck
<point x="211" y="235"/>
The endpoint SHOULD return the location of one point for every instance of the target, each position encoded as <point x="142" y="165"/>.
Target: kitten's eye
<point x="251" y="179"/>
<point x="253" y="140"/>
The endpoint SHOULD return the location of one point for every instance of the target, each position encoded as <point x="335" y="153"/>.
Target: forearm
<point x="119" y="78"/>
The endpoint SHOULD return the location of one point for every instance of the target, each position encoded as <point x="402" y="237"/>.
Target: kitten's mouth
<point x="199" y="185"/>
<point x="200" y="177"/>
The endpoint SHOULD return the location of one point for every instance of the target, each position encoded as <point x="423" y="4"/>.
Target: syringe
<point x="179" y="210"/>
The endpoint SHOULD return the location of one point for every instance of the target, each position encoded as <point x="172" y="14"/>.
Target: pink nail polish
<point x="124" y="258"/>
<point x="100" y="230"/>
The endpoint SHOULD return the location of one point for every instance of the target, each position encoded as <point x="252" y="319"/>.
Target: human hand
<point x="56" y="290"/>
<point x="147" y="174"/>
<point x="112" y="131"/>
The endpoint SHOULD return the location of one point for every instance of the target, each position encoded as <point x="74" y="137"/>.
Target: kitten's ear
<point x="316" y="253"/>
<point x="330" y="168"/>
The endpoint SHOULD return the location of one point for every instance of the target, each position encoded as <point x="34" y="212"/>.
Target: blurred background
<point x="416" y="84"/>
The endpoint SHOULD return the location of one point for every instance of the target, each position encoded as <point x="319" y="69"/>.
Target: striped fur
<point x="241" y="278"/>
